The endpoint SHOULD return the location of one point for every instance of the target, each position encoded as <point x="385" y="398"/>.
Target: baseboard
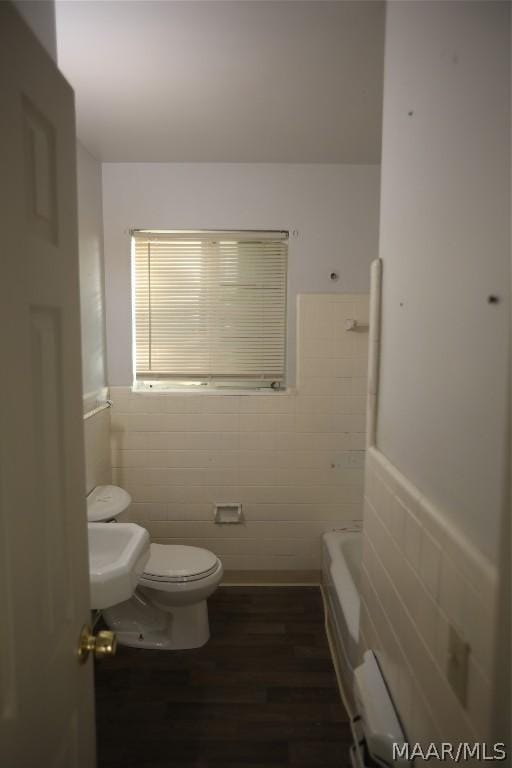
<point x="271" y="578"/>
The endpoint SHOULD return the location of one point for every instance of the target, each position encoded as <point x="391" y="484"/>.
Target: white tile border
<point x="453" y="542"/>
<point x="413" y="599"/>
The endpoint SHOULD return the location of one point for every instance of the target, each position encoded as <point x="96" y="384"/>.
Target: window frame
<point x="228" y="384"/>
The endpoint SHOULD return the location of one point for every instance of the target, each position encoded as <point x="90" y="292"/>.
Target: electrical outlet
<point x="457" y="665"/>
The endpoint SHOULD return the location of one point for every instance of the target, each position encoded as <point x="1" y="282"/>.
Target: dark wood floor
<point x="261" y="693"/>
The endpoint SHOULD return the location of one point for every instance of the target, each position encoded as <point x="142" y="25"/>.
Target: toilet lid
<point x="173" y="562"/>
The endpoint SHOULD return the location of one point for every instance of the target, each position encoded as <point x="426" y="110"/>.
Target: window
<point x="210" y="308"/>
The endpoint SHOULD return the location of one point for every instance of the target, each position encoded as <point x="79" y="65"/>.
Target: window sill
<point x="267" y="392"/>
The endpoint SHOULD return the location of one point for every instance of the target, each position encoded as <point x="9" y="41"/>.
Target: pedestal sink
<point x="118" y="553"/>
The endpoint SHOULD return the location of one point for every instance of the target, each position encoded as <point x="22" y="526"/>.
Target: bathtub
<point x="341" y="571"/>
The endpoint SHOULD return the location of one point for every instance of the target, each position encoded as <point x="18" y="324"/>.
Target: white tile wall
<point x="419" y="577"/>
<point x="294" y="460"/>
<point x="97" y="450"/>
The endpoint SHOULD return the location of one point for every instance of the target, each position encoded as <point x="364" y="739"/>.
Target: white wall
<point x="90" y="248"/>
<point x="92" y="310"/>
<point x="40" y="17"/>
<point x="334" y="209"/>
<point x="435" y="481"/>
<point x="445" y="243"/>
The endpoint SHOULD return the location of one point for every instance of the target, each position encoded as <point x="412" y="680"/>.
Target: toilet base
<point x="140" y="624"/>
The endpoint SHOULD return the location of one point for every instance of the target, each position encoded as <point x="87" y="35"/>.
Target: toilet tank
<point x="107" y="502"/>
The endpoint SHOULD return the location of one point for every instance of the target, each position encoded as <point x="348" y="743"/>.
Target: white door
<point x="46" y="696"/>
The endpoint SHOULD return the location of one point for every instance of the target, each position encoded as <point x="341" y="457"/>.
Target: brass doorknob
<point x="102" y="645"/>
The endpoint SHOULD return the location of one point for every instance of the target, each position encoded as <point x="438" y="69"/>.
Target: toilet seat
<point x="173" y="563"/>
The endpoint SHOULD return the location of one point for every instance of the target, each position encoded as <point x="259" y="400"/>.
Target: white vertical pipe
<point x="373" y="351"/>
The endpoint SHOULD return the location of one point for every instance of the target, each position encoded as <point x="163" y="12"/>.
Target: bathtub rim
<point x="345" y="662"/>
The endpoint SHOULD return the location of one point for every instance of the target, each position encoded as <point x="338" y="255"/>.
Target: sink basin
<point x="118" y="553"/>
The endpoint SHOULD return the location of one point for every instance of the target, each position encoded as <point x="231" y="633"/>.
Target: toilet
<point x="168" y="610"/>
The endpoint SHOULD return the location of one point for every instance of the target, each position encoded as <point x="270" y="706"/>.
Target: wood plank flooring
<point x="261" y="693"/>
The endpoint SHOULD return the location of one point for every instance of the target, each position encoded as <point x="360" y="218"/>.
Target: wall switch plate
<point x="457" y="665"/>
<point x="228" y="514"/>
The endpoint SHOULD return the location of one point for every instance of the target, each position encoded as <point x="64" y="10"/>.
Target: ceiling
<point x="225" y="81"/>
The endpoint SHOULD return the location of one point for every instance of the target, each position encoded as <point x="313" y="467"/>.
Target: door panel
<point x="46" y="697"/>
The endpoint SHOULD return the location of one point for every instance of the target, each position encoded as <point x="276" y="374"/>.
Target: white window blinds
<point x="210" y="306"/>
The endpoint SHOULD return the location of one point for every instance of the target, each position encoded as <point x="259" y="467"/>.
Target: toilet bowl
<point x="168" y="610"/>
